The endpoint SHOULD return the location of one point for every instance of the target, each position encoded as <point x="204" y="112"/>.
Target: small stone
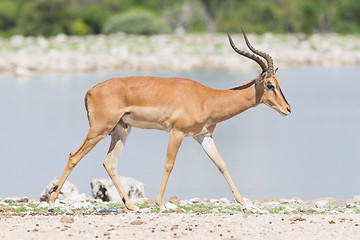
<point x="174" y="200"/>
<point x="66" y="219"/>
<point x="174" y="227"/>
<point x="148" y="201"/>
<point x="7" y="209"/>
<point x="199" y="209"/>
<point x="194" y="200"/>
<point x="170" y="207"/>
<point x="331" y="222"/>
<point x="137" y="222"/>
<point x="294" y="219"/>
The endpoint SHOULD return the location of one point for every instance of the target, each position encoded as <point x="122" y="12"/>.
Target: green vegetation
<point x="142" y="22"/>
<point x="11" y="208"/>
<point x="81" y="17"/>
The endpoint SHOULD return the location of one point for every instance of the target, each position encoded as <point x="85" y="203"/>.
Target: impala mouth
<point x="287" y="113"/>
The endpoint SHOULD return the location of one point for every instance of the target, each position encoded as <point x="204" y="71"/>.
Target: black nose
<point x="289" y="110"/>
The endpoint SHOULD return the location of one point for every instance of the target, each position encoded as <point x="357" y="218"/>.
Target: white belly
<point x="144" y="124"/>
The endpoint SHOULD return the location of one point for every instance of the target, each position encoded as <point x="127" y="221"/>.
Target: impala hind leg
<point x="175" y="141"/>
<point x="118" y="138"/>
<point x="93" y="137"/>
<point x="207" y="143"/>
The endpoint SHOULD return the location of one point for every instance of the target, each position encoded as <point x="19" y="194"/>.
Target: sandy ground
<point x="129" y="225"/>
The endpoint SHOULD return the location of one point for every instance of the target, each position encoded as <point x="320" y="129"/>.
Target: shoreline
<point x="63" y="54"/>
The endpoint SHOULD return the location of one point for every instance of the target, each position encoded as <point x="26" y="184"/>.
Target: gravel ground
<point x="325" y="218"/>
<point x="181" y="225"/>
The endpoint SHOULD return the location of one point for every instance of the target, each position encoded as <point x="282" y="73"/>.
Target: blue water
<point x="312" y="153"/>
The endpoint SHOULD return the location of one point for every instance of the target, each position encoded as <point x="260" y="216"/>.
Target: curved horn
<point x="246" y="54"/>
<point x="262" y="54"/>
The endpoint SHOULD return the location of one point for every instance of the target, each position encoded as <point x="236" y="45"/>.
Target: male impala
<point x="180" y="106"/>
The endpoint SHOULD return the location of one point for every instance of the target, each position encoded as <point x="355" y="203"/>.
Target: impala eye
<point x="270" y="87"/>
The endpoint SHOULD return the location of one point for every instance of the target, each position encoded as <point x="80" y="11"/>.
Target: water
<point x="312" y="153"/>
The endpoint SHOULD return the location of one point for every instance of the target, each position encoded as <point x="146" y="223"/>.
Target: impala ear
<point x="260" y="79"/>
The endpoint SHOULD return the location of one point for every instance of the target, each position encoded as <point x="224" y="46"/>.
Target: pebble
<point x="66" y="219"/>
<point x="137" y="222"/>
<point x="170" y="207"/>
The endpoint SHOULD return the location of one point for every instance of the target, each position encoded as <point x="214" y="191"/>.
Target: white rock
<point x="321" y="203"/>
<point x="43" y="205"/>
<point x="137" y="201"/>
<point x="271" y="204"/>
<point x="170" y="206"/>
<point x="224" y="200"/>
<point x="69" y="190"/>
<point x="194" y="200"/>
<point x="145" y="210"/>
<point x="105" y="189"/>
<point x="80" y="205"/>
<point x="356" y="197"/>
<point x="78" y="197"/>
<point x="247" y="201"/>
<point x="349" y="205"/>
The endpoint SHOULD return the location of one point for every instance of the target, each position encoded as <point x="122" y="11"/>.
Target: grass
<point x="198" y="208"/>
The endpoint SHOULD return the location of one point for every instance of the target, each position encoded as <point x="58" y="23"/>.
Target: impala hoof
<point x="132" y="208"/>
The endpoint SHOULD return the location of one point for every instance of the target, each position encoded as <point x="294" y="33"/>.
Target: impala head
<point x="267" y="85"/>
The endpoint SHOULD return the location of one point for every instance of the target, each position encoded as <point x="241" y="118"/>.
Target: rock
<point x="174" y="200"/>
<point x="17" y="199"/>
<point x="7" y="209"/>
<point x="66" y="219"/>
<point x="170" y="207"/>
<point x="271" y="204"/>
<point x="321" y="203"/>
<point x="194" y="200"/>
<point x="43" y="205"/>
<point x="356" y="198"/>
<point x="137" y="222"/>
<point x="68" y="191"/>
<point x="294" y="219"/>
<point x="148" y="201"/>
<point x="331" y="201"/>
<point x="105" y="190"/>
<point x="349" y="205"/>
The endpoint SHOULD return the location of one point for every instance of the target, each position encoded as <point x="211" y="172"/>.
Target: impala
<point x="180" y="106"/>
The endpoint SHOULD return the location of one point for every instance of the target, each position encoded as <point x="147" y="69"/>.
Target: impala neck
<point x="228" y="103"/>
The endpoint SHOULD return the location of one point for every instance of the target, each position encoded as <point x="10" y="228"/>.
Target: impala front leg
<point x="207" y="143"/>
<point x="176" y="138"/>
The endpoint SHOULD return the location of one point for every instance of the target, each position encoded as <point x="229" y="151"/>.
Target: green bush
<point x="136" y="22"/>
<point x="8" y="13"/>
<point x="44" y="17"/>
<point x="79" y="27"/>
<point x="94" y="16"/>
